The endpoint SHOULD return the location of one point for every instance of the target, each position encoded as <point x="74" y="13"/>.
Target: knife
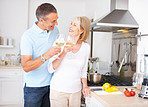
<point x="96" y="89"/>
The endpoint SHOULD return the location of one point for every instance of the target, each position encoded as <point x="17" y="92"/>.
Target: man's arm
<point x="28" y="64"/>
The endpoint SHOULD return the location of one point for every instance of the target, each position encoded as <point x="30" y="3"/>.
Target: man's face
<point x="49" y="21"/>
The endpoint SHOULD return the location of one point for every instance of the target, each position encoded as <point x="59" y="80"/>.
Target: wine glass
<point x="60" y="41"/>
<point x="3" y="60"/>
<point x="70" y="41"/>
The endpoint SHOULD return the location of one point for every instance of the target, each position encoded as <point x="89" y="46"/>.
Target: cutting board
<point x="103" y="92"/>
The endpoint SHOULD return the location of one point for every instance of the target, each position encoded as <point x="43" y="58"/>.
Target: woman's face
<point x="74" y="28"/>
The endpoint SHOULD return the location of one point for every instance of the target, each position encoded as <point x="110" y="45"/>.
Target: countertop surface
<point x="116" y="100"/>
<point x="10" y="67"/>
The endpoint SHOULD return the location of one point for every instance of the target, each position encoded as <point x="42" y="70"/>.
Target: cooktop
<point x="113" y="80"/>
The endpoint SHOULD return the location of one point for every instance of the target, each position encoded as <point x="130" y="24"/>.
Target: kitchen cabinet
<point x="11" y="87"/>
<point x="92" y="102"/>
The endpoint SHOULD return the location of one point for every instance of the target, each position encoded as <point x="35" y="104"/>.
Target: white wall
<point x="97" y="8"/>
<point x="13" y="19"/>
<point x="138" y="9"/>
<point x="102" y="41"/>
<point x="67" y="10"/>
<point x="102" y="46"/>
<point x="18" y="15"/>
<point x="141" y="50"/>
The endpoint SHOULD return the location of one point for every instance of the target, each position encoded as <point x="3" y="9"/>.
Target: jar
<point x="5" y="41"/>
<point x="13" y="60"/>
<point x="10" y="41"/>
<point x="7" y="59"/>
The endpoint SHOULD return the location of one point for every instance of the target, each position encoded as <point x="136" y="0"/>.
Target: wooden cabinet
<point x="11" y="87"/>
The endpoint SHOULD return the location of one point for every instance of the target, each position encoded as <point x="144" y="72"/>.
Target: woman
<point x="70" y="69"/>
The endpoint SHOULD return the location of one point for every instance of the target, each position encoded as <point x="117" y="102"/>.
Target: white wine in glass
<point x="71" y="44"/>
<point x="3" y="61"/>
<point x="70" y="41"/>
<point x="59" y="44"/>
<point x="60" y="40"/>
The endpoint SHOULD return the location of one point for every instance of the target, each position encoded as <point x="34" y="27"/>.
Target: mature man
<point x="36" y="50"/>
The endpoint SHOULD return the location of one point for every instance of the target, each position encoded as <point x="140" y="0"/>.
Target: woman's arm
<point x="86" y="89"/>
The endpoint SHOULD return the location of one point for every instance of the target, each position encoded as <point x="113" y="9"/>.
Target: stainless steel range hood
<point x="119" y="18"/>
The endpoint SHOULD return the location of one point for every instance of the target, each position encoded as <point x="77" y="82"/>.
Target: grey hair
<point x="45" y="9"/>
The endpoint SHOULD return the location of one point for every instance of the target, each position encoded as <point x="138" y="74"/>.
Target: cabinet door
<point x="11" y="91"/>
<point x="92" y="102"/>
<point x="11" y="87"/>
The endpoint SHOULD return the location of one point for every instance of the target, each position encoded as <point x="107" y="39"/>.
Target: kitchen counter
<point x="116" y="100"/>
<point x="10" y="67"/>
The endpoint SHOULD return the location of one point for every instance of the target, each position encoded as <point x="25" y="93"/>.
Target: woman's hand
<point x="86" y="91"/>
<point x="67" y="49"/>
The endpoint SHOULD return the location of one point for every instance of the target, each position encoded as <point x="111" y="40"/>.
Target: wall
<point x="138" y="9"/>
<point x="67" y="10"/>
<point x="97" y="8"/>
<point x="13" y="22"/>
<point x="102" y="46"/>
<point x="102" y="41"/>
<point x="24" y="16"/>
<point x="16" y="17"/>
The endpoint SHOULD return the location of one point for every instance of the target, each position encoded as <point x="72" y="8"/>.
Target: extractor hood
<point x="119" y="18"/>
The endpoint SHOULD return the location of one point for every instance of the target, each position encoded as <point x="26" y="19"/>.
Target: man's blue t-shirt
<point x="36" y="42"/>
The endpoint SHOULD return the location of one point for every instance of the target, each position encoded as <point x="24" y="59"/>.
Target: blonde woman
<point x="70" y="70"/>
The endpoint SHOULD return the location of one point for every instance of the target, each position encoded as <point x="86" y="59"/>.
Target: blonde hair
<point x="85" y="26"/>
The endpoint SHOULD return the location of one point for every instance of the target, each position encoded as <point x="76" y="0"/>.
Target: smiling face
<point x="80" y="28"/>
<point x="49" y="21"/>
<point x="74" y="28"/>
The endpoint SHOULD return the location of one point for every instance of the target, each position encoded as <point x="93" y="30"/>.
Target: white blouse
<point x="67" y="77"/>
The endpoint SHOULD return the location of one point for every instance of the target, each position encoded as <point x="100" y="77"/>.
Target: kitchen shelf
<point x="6" y="46"/>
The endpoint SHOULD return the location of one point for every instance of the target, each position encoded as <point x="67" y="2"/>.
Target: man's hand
<point x="53" y="51"/>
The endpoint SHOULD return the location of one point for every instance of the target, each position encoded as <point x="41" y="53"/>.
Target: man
<point x="36" y="50"/>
